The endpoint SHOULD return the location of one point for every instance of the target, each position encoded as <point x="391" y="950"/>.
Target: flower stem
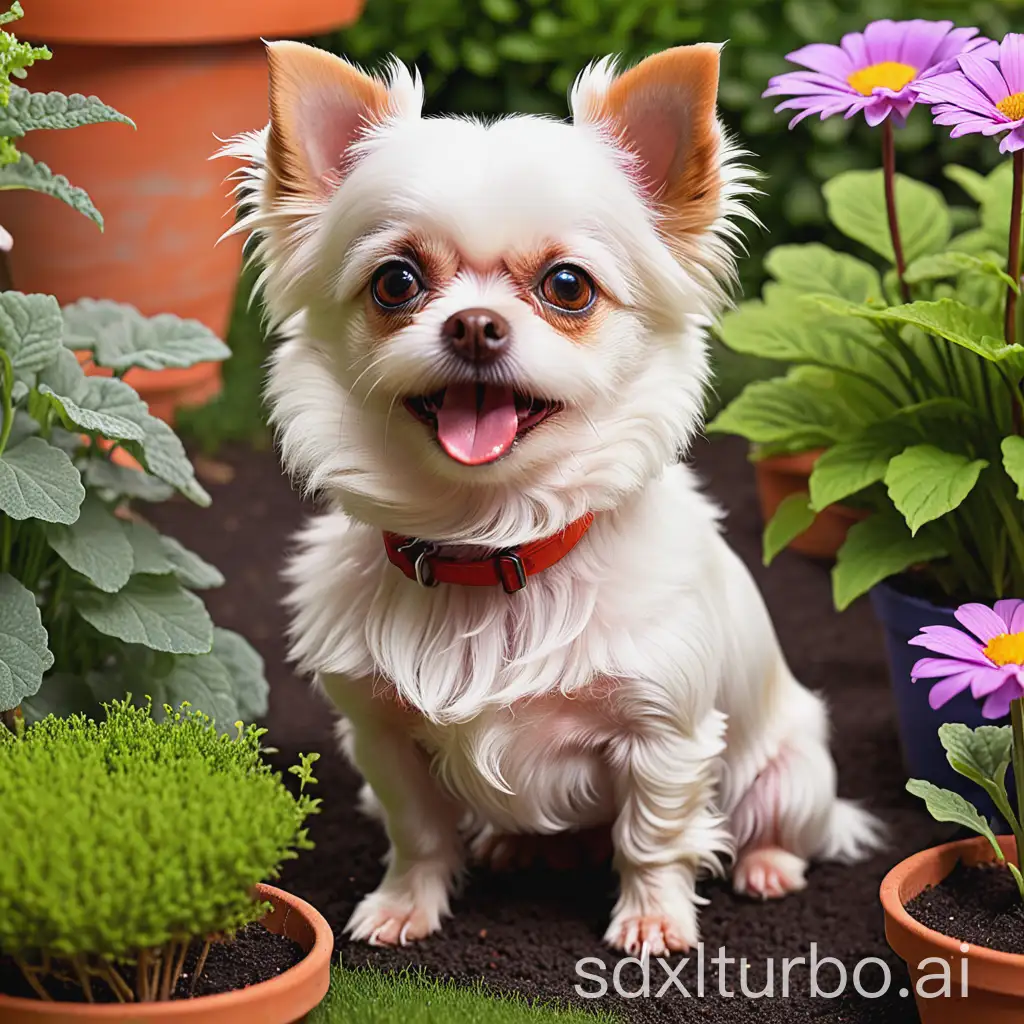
<point x="1013" y="263"/>
<point x="889" y="172"/>
<point x="1017" y="725"/>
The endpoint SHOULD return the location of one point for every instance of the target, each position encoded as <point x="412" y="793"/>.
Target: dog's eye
<point x="394" y="284"/>
<point x="569" y="288"/>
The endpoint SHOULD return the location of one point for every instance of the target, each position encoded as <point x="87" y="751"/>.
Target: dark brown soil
<point x="980" y="905"/>
<point x="526" y="931"/>
<point x="253" y="956"/>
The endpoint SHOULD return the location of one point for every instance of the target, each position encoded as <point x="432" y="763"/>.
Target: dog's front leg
<point x="666" y="829"/>
<point x="421" y="820"/>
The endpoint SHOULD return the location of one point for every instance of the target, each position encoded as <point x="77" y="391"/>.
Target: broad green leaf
<point x="974" y="184"/>
<point x="31" y="111"/>
<point x="24" y="655"/>
<point x="952" y="263"/>
<point x="875" y="549"/>
<point x="37" y="177"/>
<point x="154" y="554"/>
<point x="986" y="751"/>
<point x="151" y="610"/>
<point x="120" y="337"/>
<point x="1013" y="461"/>
<point x="817" y="268"/>
<point x="787" y="411"/>
<point x="926" y="483"/>
<point x="792" y="518"/>
<point x="113" y="480"/>
<point x="203" y="681"/>
<point x="163" y="454"/>
<point x="24" y="426"/>
<point x="38" y="481"/>
<point x="99" y="405"/>
<point x="95" y="546"/>
<point x="849" y="467"/>
<point x="245" y="667"/>
<point x="856" y="205"/>
<point x="30" y="330"/>
<point x="945" y="805"/>
<point x="190" y="569"/>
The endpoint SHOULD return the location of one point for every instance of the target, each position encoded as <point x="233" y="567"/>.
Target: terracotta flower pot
<point x="995" y="981"/>
<point x="779" y="476"/>
<point x="282" y="1000"/>
<point x="184" y="73"/>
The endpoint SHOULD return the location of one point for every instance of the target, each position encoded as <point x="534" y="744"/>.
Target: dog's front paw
<point x="385" y="919"/>
<point x="653" y="934"/>
<point x="769" y="873"/>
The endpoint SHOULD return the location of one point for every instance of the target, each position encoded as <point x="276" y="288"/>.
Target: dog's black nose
<point x="477" y="335"/>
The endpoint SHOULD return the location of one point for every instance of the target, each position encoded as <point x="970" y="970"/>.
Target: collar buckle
<point x="511" y="571"/>
<point x="419" y="552"/>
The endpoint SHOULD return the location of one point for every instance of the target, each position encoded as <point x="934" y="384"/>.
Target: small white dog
<point x="518" y="597"/>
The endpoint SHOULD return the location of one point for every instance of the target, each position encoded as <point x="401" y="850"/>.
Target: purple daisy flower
<point x="873" y="70"/>
<point x="981" y="95"/>
<point x="991" y="662"/>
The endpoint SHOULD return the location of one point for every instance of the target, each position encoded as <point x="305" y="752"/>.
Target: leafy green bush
<point x="90" y="596"/>
<point x="502" y="56"/>
<point x="127" y="840"/>
<point x="918" y="404"/>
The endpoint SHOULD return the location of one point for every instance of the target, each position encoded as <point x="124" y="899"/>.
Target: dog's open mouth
<point x="478" y="423"/>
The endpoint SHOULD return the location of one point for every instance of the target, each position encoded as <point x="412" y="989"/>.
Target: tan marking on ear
<point x="663" y="110"/>
<point x="318" y="103"/>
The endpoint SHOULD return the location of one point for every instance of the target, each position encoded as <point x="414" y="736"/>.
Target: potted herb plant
<point x="960" y="906"/>
<point x="92" y="597"/>
<point x="183" y="73"/>
<point x="906" y="367"/>
<point x="135" y="856"/>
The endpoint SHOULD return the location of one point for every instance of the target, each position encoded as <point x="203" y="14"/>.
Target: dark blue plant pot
<point x="902" y="617"/>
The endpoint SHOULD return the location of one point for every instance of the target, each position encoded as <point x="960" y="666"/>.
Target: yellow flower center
<point x="890" y="74"/>
<point x="1006" y="649"/>
<point x="1012" y="106"/>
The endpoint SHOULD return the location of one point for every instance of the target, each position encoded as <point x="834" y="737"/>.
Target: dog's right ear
<point x="319" y="106"/>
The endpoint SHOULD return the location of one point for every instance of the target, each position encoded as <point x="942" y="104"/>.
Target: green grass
<point x="370" y="996"/>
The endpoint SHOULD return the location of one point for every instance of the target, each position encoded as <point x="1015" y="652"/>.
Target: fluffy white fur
<point x="638" y="682"/>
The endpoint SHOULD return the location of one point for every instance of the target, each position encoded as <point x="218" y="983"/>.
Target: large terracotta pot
<point x="779" y="476"/>
<point x="185" y="73"/>
<point x="995" y="981"/>
<point x="285" y="999"/>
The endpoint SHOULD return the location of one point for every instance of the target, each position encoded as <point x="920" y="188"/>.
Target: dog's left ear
<point x="663" y="112"/>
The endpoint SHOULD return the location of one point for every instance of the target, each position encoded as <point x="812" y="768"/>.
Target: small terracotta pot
<point x="285" y="999"/>
<point x="995" y="981"/>
<point x="186" y="74"/>
<point x="779" y="476"/>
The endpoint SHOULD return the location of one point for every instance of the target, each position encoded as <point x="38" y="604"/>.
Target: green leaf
<point x="787" y="411"/>
<point x="985" y="751"/>
<point x="792" y="518"/>
<point x="974" y="184"/>
<point x="952" y="263"/>
<point x="64" y="694"/>
<point x="95" y="546"/>
<point x="100" y="405"/>
<point x="1017" y="877"/>
<point x="1013" y="461"/>
<point x="817" y="268"/>
<point x="30" y="330"/>
<point x="38" y="481"/>
<point x="246" y="669"/>
<point x="856" y="205"/>
<point x="926" y="483"/>
<point x="151" y="610"/>
<point x="849" y="467"/>
<point x="945" y="805"/>
<point x="24" y="655"/>
<point x="37" y="177"/>
<point x="163" y="454"/>
<point x="203" y="681"/>
<point x="875" y="549"/>
<point x="113" y="480"/>
<point x="31" y="111"/>
<point x="190" y="569"/>
<point x="120" y="337"/>
<point x="154" y="554"/>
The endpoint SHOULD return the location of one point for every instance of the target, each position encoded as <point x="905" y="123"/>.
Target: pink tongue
<point x="473" y="432"/>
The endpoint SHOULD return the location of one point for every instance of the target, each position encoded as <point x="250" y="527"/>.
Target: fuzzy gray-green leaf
<point x="32" y="111"/>
<point x="24" y="655"/>
<point x="945" y="805"/>
<point x="39" y="481"/>
<point x="95" y="546"/>
<point x="245" y="666"/>
<point x="37" y="177"/>
<point x="117" y="481"/>
<point x="30" y="331"/>
<point x="154" y="611"/>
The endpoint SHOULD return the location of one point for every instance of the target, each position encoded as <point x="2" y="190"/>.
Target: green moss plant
<point x="128" y="841"/>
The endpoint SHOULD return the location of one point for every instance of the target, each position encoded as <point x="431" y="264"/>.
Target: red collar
<point x="511" y="567"/>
